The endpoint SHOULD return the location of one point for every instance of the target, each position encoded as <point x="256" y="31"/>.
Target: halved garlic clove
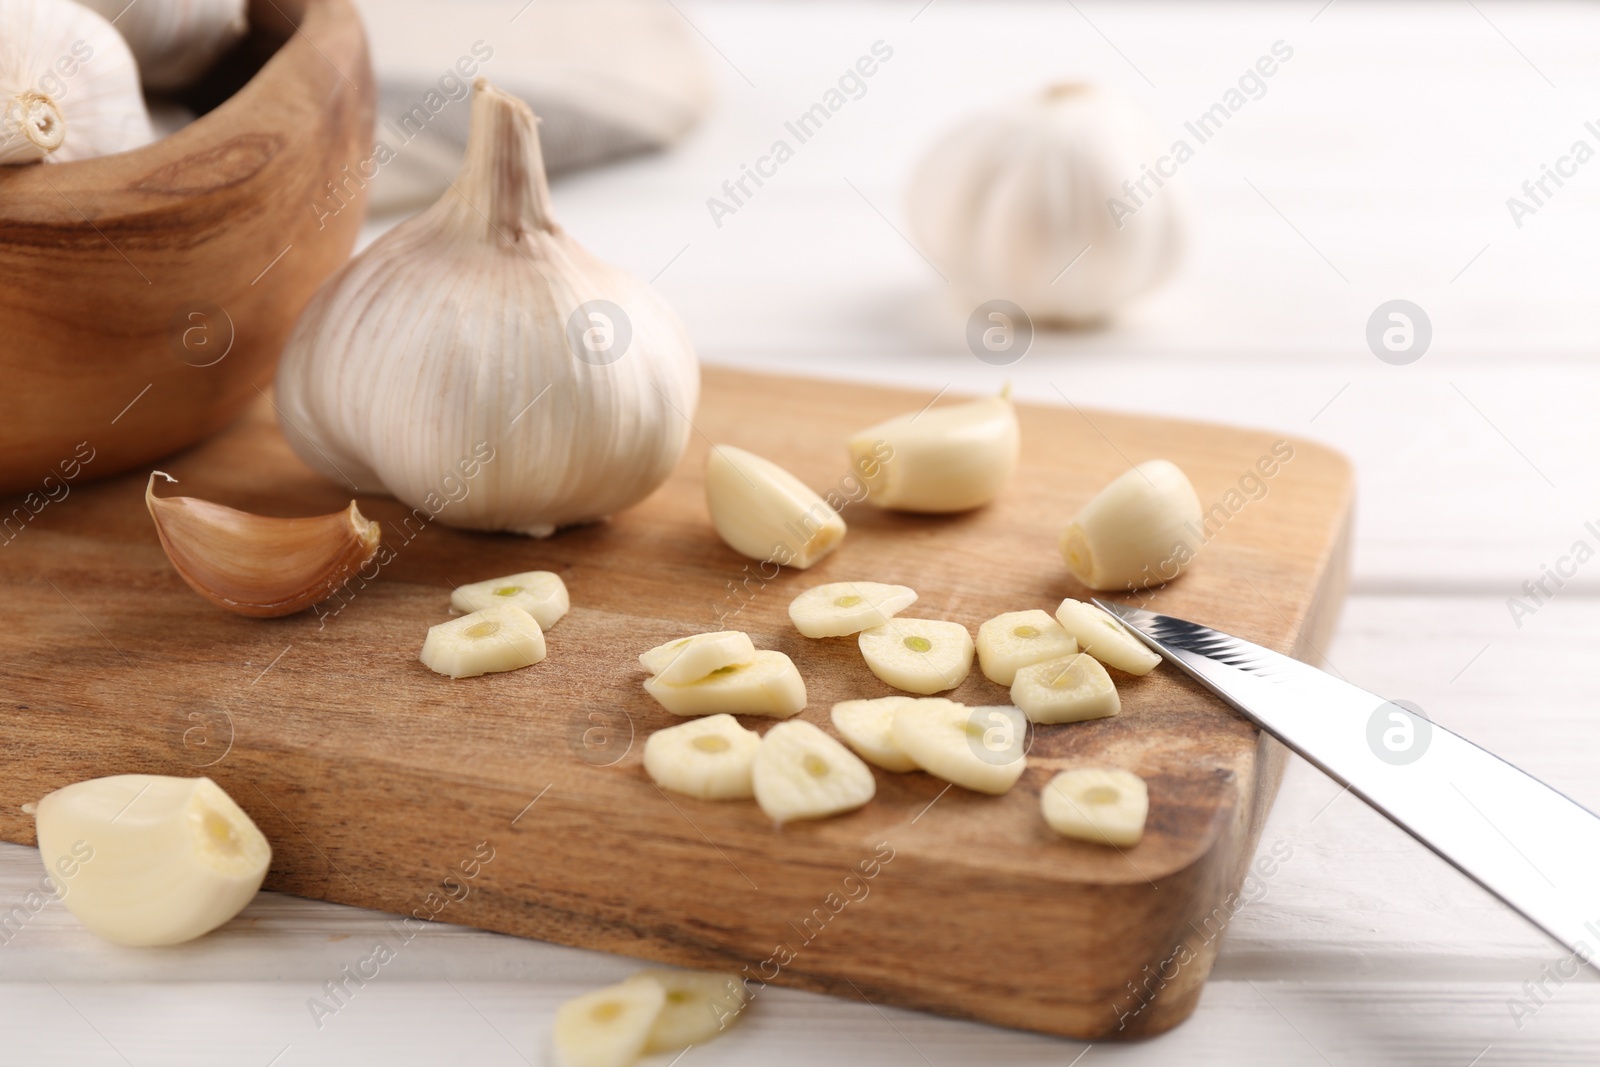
<point x="866" y="726"/>
<point x="766" y="513"/>
<point x="708" y="758"/>
<point x="1142" y="529"/>
<point x="981" y="749"/>
<point x="699" y="1006"/>
<point x="1104" y="638"/>
<point x="609" y="1027"/>
<point x="153" y="860"/>
<point x="839" y="609"/>
<point x="802" y="773"/>
<point x="769" y="685"/>
<point x="1070" y="689"/>
<point x="918" y="655"/>
<point x="1103" y="805"/>
<point x="690" y="659"/>
<point x="1019" y="639"/>
<point x="484" y="642"/>
<point x="256" y="565"/>
<point x="952" y="458"/>
<point x="541" y="594"/>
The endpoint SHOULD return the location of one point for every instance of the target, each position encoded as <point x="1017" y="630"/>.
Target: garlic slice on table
<point x="802" y="773"/>
<point x="768" y="685"/>
<point x="944" y="459"/>
<point x="839" y="609"/>
<point x="918" y="655"/>
<point x="762" y="511"/>
<point x="254" y="564"/>
<point x="700" y="1005"/>
<point x="69" y="88"/>
<point x="609" y="1027"/>
<point x="541" y="594"/>
<point x="1141" y="530"/>
<point x="1019" y="639"/>
<point x="709" y="758"/>
<point x="690" y="659"/>
<point x="175" y="41"/>
<point x="477" y="362"/>
<point x="1100" y="804"/>
<point x="504" y="638"/>
<point x="1104" y="638"/>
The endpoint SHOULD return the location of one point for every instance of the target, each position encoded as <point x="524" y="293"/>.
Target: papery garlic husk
<point x="69" y="88"/>
<point x="1008" y="201"/>
<point x="257" y="565"/>
<point x="1141" y="530"/>
<point x="175" y="41"/>
<point x="437" y="365"/>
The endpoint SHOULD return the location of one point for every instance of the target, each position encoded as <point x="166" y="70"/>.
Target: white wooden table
<point x="1377" y="166"/>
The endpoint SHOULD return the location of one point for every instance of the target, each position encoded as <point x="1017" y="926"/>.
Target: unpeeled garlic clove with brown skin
<point x="254" y="564"/>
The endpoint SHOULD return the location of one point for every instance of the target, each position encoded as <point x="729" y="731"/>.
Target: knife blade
<point x="1528" y="844"/>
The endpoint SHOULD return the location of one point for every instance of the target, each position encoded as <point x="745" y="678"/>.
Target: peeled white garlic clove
<point x="540" y="593"/>
<point x="609" y="1027"/>
<point x="1104" y="805"/>
<point x="1104" y="638"/>
<point x="769" y="685"/>
<point x="1019" y="639"/>
<point x="981" y="749"/>
<point x="1141" y="530"/>
<point x="690" y="659"/>
<point x="1070" y="689"/>
<point x="707" y="758"/>
<point x="839" y="609"/>
<point x="700" y="1005"/>
<point x="150" y="860"/>
<point x="764" y="512"/>
<point x="918" y="655"/>
<point x="1031" y="202"/>
<point x="867" y="727"/>
<point x="175" y="41"/>
<point x="477" y="363"/>
<point x="505" y="638"/>
<point x="802" y="773"/>
<point x="943" y="459"/>
<point x="69" y="88"/>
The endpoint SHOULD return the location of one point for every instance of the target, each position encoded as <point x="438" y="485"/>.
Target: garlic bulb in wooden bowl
<point x="175" y="40"/>
<point x="1050" y="202"/>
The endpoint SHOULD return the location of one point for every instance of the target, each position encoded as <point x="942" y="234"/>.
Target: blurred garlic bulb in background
<point x="175" y="41"/>
<point x="477" y="362"/>
<point x="68" y="85"/>
<point x="1007" y="202"/>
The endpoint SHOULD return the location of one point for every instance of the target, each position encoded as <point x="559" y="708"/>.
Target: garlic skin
<point x="421" y="369"/>
<point x="945" y="459"/>
<point x="1141" y="530"/>
<point x="69" y="88"/>
<point x="1007" y="200"/>
<point x="175" y="41"/>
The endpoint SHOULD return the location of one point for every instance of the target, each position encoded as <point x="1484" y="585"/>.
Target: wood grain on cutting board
<point x="384" y="785"/>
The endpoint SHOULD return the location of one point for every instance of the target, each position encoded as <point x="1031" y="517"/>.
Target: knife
<point x="1526" y="843"/>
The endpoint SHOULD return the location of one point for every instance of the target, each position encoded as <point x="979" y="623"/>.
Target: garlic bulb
<point x="422" y="368"/>
<point x="1008" y="202"/>
<point x="175" y="41"/>
<point x="68" y="85"/>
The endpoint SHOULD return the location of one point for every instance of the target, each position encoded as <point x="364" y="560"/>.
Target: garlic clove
<point x="1019" y="639"/>
<point x="867" y="727"/>
<point x="1070" y="689"/>
<point x="609" y="1027"/>
<point x="918" y="655"/>
<point x="690" y="659"/>
<point x="699" y="1006"/>
<point x="1141" y="530"/>
<point x="768" y="685"/>
<point x="255" y="565"/>
<point x="709" y="758"/>
<point x="764" y="512"/>
<point x="802" y="773"/>
<point x="150" y="860"/>
<point x="981" y="749"/>
<point x="1104" y="638"/>
<point x="839" y="609"/>
<point x="944" y="459"/>
<point x="1103" y="805"/>
<point x="540" y="593"/>
<point x="485" y="642"/>
<point x="175" y="41"/>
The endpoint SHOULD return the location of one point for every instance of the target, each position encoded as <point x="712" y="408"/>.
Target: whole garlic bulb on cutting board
<point x="175" y="41"/>
<point x="477" y="362"/>
<point x="1039" y="202"/>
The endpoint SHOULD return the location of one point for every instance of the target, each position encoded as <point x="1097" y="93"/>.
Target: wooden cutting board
<point x="518" y="801"/>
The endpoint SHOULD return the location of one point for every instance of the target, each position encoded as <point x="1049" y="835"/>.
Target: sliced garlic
<point x="690" y="659"/>
<point x="1099" y="804"/>
<point x="981" y="749"/>
<point x="1070" y="689"/>
<point x="918" y="655"/>
<point x="1142" y="529"/>
<point x="707" y="758"/>
<point x="699" y="1006"/>
<point x="484" y="642"/>
<point x="1104" y="638"/>
<point x="866" y="726"/>
<point x="943" y="459"/>
<point x="839" y="609"/>
<point x="768" y="685"/>
<point x="541" y="594"/>
<point x="766" y="513"/>
<point x="1020" y="639"/>
<point x="802" y="773"/>
<point x="609" y="1027"/>
<point x="153" y="860"/>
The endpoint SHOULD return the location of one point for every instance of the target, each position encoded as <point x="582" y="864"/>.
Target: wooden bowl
<point x="145" y="297"/>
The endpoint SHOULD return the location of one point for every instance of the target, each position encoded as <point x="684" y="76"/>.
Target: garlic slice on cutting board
<point x="867" y="727"/>
<point x="1104" y="638"/>
<point x="175" y="41"/>
<point x="802" y="773"/>
<point x="709" y="758"/>
<point x="839" y="609"/>
<point x="541" y="594"/>
<point x="1103" y="805"/>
